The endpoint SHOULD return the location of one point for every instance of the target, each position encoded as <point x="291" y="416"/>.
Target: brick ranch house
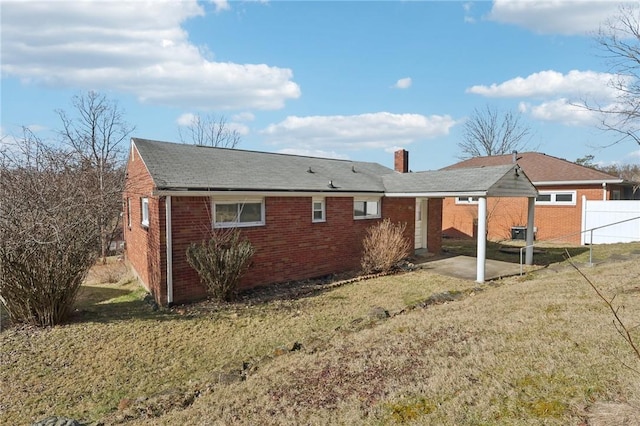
<point x="305" y="216"/>
<point x="561" y="185"/>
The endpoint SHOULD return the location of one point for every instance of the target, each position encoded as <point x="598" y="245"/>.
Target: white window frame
<point x="323" y="210"/>
<point x="553" y="201"/>
<point x="144" y="211"/>
<point x="467" y="200"/>
<point x="366" y="200"/>
<point x="239" y="202"/>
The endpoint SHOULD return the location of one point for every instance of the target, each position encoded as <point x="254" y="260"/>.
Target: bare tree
<point x="209" y="131"/>
<point x="96" y="133"/>
<point x="489" y="132"/>
<point x="619" y="40"/>
<point x="47" y="235"/>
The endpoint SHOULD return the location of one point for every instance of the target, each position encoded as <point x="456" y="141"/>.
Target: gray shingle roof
<point x="181" y="166"/>
<point x="492" y="181"/>
<point x="189" y="167"/>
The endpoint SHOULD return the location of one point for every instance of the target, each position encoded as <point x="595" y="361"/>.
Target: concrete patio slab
<point x="465" y="267"/>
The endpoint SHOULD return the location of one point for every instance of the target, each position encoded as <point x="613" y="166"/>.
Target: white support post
<point x="482" y="239"/>
<point x="529" y="240"/>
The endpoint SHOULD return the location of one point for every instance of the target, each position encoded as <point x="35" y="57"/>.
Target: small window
<point x="467" y="200"/>
<point x="366" y="208"/>
<point x="144" y="212"/>
<point x="566" y="198"/>
<point x="228" y="214"/>
<point x="318" y="210"/>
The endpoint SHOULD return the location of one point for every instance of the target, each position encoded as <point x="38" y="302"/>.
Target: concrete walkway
<point x="465" y="267"/>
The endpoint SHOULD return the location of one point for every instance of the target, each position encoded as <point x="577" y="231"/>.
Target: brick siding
<point x="289" y="246"/>
<point x="560" y="223"/>
<point x="144" y="246"/>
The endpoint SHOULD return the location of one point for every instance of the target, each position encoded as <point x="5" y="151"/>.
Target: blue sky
<point x="350" y="80"/>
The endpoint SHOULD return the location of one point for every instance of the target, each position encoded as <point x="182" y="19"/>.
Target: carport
<point x="479" y="183"/>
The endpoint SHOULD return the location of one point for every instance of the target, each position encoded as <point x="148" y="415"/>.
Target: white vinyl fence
<point x="624" y="214"/>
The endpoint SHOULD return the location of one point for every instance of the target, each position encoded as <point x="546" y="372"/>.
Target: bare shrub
<point x="47" y="236"/>
<point x="384" y="246"/>
<point x="220" y="262"/>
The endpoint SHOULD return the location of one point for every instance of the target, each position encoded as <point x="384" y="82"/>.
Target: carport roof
<point x="495" y="181"/>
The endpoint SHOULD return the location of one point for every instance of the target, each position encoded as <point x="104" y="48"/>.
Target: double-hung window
<point x="238" y="213"/>
<point x="144" y="212"/>
<point x="319" y="210"/>
<point x="566" y="198"/>
<point x="366" y="208"/>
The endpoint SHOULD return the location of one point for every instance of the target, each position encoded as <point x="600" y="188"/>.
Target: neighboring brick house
<point x="305" y="216"/>
<point x="561" y="185"/>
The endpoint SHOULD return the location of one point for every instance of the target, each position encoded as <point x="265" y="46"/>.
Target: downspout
<point x="604" y="191"/>
<point x="169" y="256"/>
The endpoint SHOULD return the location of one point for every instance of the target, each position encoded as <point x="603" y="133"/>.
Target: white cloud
<point x="393" y="149"/>
<point x="403" y="83"/>
<point x="554" y="16"/>
<point x="561" y="97"/>
<point x="221" y="5"/>
<point x="551" y="83"/>
<point x="379" y="130"/>
<point x="137" y="47"/>
<point x="243" y="116"/>
<point x="313" y="153"/>
<point x="468" y="7"/>
<point x="561" y="111"/>
<point x="186" y="119"/>
<point x="241" y="128"/>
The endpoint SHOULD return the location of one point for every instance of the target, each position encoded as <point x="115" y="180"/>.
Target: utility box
<point x="518" y="232"/>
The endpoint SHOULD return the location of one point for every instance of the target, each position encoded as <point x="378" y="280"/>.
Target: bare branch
<point x="209" y="131"/>
<point x="619" y="325"/>
<point x="95" y="135"/>
<point x="489" y="133"/>
<point x="619" y="42"/>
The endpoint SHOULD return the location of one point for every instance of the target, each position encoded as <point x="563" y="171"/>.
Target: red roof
<point x="540" y="168"/>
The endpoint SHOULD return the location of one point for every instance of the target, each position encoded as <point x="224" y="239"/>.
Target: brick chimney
<point x="401" y="161"/>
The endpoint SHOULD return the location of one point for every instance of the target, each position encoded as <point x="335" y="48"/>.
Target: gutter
<point x="436" y="194"/>
<point x="205" y="193"/>
<point x="578" y="182"/>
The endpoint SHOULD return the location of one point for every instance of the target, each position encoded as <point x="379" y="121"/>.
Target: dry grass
<point x="536" y="351"/>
